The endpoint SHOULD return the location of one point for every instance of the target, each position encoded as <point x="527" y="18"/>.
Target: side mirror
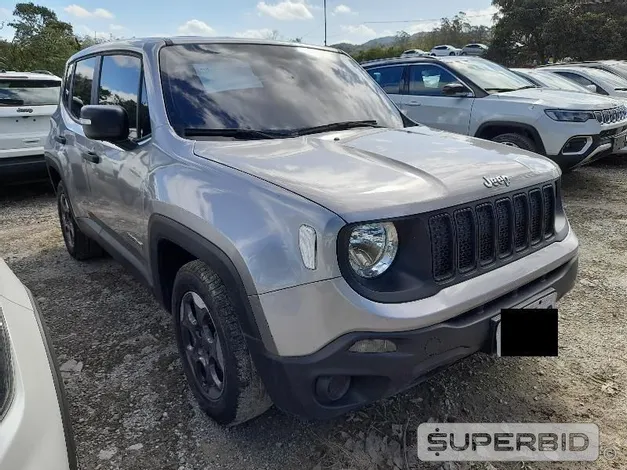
<point x="592" y="88"/>
<point x="104" y="122"/>
<point x="453" y="89"/>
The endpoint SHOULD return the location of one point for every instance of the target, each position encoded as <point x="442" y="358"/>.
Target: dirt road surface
<point x="131" y="408"/>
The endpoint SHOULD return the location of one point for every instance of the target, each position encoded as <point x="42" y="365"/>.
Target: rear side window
<point x="81" y="85"/>
<point x="120" y="81"/>
<point x="66" y="85"/>
<point x="389" y="78"/>
<point x="24" y="92"/>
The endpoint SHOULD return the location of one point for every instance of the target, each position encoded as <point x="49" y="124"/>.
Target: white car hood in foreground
<point x="11" y="288"/>
<point x="557" y="99"/>
<point x="366" y="174"/>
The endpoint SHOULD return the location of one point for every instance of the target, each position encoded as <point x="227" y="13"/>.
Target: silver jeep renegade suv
<point x="317" y="249"/>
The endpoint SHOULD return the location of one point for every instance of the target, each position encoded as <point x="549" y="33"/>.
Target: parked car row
<point x="546" y="111"/>
<point x="474" y="49"/>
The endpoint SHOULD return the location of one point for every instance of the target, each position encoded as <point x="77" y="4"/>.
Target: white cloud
<point x="116" y="27"/>
<point x="362" y="31"/>
<point x="286" y="10"/>
<point x="196" y="28"/>
<point x="85" y="30"/>
<point x="102" y="13"/>
<point x="255" y="33"/>
<point x="5" y="13"/>
<point x="80" y="12"/>
<point x="481" y="17"/>
<point x="342" y="10"/>
<point x="423" y="26"/>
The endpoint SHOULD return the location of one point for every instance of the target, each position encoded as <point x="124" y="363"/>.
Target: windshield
<point x="29" y="92"/>
<point x="612" y="80"/>
<point x="620" y="67"/>
<point x="555" y="82"/>
<point x="488" y="75"/>
<point x="268" y="88"/>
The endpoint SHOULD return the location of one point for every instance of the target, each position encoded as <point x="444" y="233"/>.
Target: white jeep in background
<point x="27" y="100"/>
<point x="476" y="97"/>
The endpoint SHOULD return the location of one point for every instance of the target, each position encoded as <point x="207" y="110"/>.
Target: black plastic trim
<point x="410" y="277"/>
<point x="22" y="169"/>
<point x="162" y="228"/>
<point x="70" y="443"/>
<point x="515" y="125"/>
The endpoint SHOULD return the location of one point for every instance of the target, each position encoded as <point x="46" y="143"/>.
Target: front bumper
<point x="35" y="432"/>
<point x="601" y="145"/>
<point x="292" y="381"/>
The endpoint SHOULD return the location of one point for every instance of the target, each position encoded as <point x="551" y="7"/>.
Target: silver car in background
<point x="474" y="49"/>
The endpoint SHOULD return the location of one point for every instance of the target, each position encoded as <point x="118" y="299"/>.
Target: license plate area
<point x="619" y="142"/>
<point x="542" y="301"/>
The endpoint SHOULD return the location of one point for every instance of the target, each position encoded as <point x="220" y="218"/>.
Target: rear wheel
<point x="515" y="140"/>
<point x="78" y="245"/>
<point x="216" y="361"/>
<point x="452" y="53"/>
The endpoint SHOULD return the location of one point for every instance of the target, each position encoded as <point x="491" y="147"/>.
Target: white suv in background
<point x="27" y="100"/>
<point x="35" y="429"/>
<point x="445" y="50"/>
<point x="473" y="96"/>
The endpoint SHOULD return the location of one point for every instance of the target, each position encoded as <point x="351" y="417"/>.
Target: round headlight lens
<point x="372" y="248"/>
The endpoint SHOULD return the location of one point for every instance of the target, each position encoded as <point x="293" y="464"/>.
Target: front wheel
<point x="216" y="360"/>
<point x="452" y="53"/>
<point x="512" y="139"/>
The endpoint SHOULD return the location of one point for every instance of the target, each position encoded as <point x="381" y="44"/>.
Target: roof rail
<point x="394" y="59"/>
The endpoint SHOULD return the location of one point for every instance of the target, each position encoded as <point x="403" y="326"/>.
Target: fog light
<point x="330" y="388"/>
<point x="577" y="145"/>
<point x="373" y="346"/>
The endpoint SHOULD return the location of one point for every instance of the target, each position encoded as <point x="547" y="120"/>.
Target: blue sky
<point x="348" y="20"/>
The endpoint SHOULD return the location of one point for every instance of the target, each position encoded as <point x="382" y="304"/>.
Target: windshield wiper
<point x="621" y="89"/>
<point x="335" y="126"/>
<point x="236" y="133"/>
<point x="526" y="87"/>
<point x="499" y="90"/>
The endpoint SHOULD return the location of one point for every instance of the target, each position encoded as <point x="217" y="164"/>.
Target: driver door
<point x="426" y="103"/>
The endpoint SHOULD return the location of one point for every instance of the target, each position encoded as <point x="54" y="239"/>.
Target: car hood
<point x="368" y="174"/>
<point x="558" y="99"/>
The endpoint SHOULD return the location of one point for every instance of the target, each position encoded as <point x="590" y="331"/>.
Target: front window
<point x="268" y="88"/>
<point x="614" y="81"/>
<point x="488" y="75"/>
<point x="24" y="92"/>
<point x="556" y="82"/>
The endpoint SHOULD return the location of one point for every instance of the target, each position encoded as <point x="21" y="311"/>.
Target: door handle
<point x="91" y="157"/>
<point x="414" y="103"/>
<point x="59" y="138"/>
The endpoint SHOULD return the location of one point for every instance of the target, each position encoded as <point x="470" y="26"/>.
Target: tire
<point x="452" y="53"/>
<point x="78" y="245"/>
<point x="216" y="360"/>
<point x="516" y="140"/>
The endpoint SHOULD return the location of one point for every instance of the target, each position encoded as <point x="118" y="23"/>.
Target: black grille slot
<point x="486" y="229"/>
<point x="521" y="222"/>
<point x="442" y="246"/>
<point x="548" y="200"/>
<point x="536" y="208"/>
<point x="465" y="231"/>
<point x="505" y="219"/>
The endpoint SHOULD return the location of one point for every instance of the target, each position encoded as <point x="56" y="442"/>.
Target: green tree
<point x="40" y="41"/>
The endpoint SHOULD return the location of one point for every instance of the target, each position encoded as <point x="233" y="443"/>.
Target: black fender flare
<point x="162" y="228"/>
<point x="515" y="125"/>
<point x="52" y="163"/>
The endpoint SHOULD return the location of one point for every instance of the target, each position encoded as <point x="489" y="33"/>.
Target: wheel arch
<point x="165" y="235"/>
<point x="490" y="129"/>
<point x="54" y="171"/>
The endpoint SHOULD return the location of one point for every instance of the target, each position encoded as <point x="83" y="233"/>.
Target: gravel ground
<point x="131" y="408"/>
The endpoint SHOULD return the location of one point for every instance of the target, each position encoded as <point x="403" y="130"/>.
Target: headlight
<point x="6" y="372"/>
<point x="372" y="248"/>
<point x="569" y="116"/>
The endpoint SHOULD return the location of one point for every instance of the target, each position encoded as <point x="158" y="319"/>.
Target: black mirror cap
<point x="105" y="122"/>
<point x="454" y="89"/>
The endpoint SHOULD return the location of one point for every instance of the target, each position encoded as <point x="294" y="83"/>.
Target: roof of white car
<point x="28" y="76"/>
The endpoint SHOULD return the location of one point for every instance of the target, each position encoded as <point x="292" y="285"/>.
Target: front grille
<point x="608" y="116"/>
<point x="481" y="235"/>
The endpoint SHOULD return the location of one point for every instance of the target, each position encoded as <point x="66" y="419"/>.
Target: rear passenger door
<point x="425" y="102"/>
<point x="117" y="176"/>
<point x="70" y="139"/>
<point x="392" y="79"/>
